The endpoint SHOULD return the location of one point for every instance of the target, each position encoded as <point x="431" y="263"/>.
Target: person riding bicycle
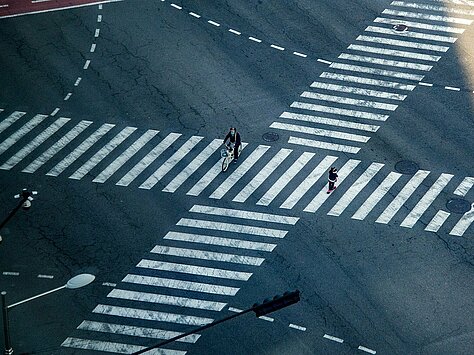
<point x="234" y="137"/>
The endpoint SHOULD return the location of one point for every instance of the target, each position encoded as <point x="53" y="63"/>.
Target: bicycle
<point x="228" y="154"/>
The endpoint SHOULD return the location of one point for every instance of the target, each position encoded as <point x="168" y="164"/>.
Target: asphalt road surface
<point x="115" y="113"/>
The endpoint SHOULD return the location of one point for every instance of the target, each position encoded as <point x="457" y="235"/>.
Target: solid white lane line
<point x="195" y="270"/>
<point x="367" y="81"/>
<point x="376" y="196"/>
<point x="230" y="227"/>
<point x="148" y="159"/>
<point x="239" y="172"/>
<point x="11" y="119"/>
<point x="339" y="111"/>
<point x="225" y="242"/>
<point x="133" y="331"/>
<point x="169" y="164"/>
<point x="355" y="189"/>
<point x="125" y="156"/>
<point x="21" y="132"/>
<point x="330" y="121"/>
<point x="386" y="62"/>
<point x="394" y="52"/>
<point x="399" y="43"/>
<point x="323" y="145"/>
<point x="358" y="91"/>
<point x="207" y="255"/>
<point x="367" y="350"/>
<point x="411" y="34"/>
<point x="428" y="7"/>
<point x="349" y="101"/>
<point x="427" y="199"/>
<point x="80" y="150"/>
<point x="322" y="196"/>
<point x="402" y="196"/>
<point x="374" y="71"/>
<point x="102" y="153"/>
<point x="287" y="176"/>
<point x="181" y="285"/>
<point x="437" y="221"/>
<point x="308" y="182"/>
<point x="35" y="143"/>
<point x="424" y="26"/>
<point x="298" y="327"/>
<point x="423" y="16"/>
<point x="464" y="223"/>
<point x="166" y="299"/>
<point x="202" y="157"/>
<point x="330" y="337"/>
<point x="251" y="215"/>
<point x="464" y="186"/>
<point x="320" y="132"/>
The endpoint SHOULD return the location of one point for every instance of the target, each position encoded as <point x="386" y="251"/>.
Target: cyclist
<point x="234" y="137"/>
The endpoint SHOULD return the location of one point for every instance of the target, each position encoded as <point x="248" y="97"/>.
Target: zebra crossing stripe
<point x="402" y="196"/>
<point x="80" y="150"/>
<point x="225" y="242"/>
<point x="457" y="2"/>
<point x="20" y="133"/>
<point x="358" y="91"/>
<point x="464" y="186"/>
<point x="386" y="62"/>
<point x="323" y="145"/>
<point x="147" y="314"/>
<point x="125" y="156"/>
<point x="399" y="43"/>
<point x="193" y="166"/>
<point x="170" y="163"/>
<point x="263" y="174"/>
<point x="339" y="111"/>
<point x="308" y="182"/>
<point x="57" y="147"/>
<point x="322" y="196"/>
<point x="428" y="7"/>
<point x="376" y="196"/>
<point x="412" y="34"/>
<point x="424" y="26"/>
<point x="375" y="71"/>
<point x="35" y="143"/>
<point x="166" y="299"/>
<point x="427" y="199"/>
<point x="148" y="159"/>
<point x="355" y="189"/>
<point x="437" y="221"/>
<point x="239" y="172"/>
<point x="120" y="348"/>
<point x="329" y="121"/>
<point x="207" y="255"/>
<point x="181" y="285"/>
<point x="195" y="270"/>
<point x="229" y="227"/>
<point x="423" y="16"/>
<point x="367" y="81"/>
<point x="11" y="119"/>
<point x="464" y="223"/>
<point x="347" y="100"/>
<point x="394" y="52"/>
<point x="102" y="153"/>
<point x="133" y="331"/>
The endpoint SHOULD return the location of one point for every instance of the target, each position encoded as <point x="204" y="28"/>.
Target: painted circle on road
<point x="458" y="205"/>
<point x="406" y="167"/>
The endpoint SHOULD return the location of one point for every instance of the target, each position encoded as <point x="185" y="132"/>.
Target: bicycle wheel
<point x="225" y="164"/>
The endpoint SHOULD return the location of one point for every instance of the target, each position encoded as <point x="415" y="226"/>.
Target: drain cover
<point x="458" y="205"/>
<point x="406" y="167"/>
<point x="270" y="137"/>
<point x="400" y="27"/>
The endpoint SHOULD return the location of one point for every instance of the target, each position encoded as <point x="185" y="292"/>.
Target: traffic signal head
<point x="278" y="302"/>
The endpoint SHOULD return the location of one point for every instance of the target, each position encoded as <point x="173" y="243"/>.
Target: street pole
<point x="6" y="326"/>
<point x="25" y="197"/>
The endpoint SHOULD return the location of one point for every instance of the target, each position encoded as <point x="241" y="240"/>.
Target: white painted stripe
<point x="374" y="71"/>
<point x="195" y="270"/>
<point x="255" y="39"/>
<point x="234" y="32"/>
<point x="398" y="43"/>
<point x="457" y="2"/>
<point x="86" y="64"/>
<point x="207" y="255"/>
<point x="464" y="223"/>
<point x="195" y="15"/>
<point x="394" y="52"/>
<point x="330" y="337"/>
<point x="277" y="47"/>
<point x="427" y="199"/>
<point x="402" y="196"/>
<point x="300" y="54"/>
<point x="68" y="96"/>
<point x="214" y="23"/>
<point x="376" y="196"/>
<point x="386" y="62"/>
<point x="147" y="314"/>
<point x="55" y="111"/>
<point x="226" y="242"/>
<point x="322" y="196"/>
<point x="340" y="111"/>
<point x="443" y="9"/>
<point x="200" y="159"/>
<point x="35" y="143"/>
<point x="125" y="156"/>
<point x="464" y="186"/>
<point x="424" y="16"/>
<point x="236" y="310"/>
<point x="268" y="319"/>
<point x="367" y="81"/>
<point x="166" y="299"/>
<point x="329" y="121"/>
<point x="239" y="172"/>
<point x="263" y="174"/>
<point x="93" y="45"/>
<point x="21" y="132"/>
<point x="11" y="119"/>
<point x="230" y="227"/>
<point x="367" y="350"/>
<point x="437" y="221"/>
<point x="102" y="153"/>
<point x="100" y="7"/>
<point x="358" y="91"/>
<point x="148" y="159"/>
<point x="176" y="6"/>
<point x="323" y="145"/>
<point x="181" y="285"/>
<point x="411" y="34"/>
<point x="41" y="276"/>
<point x="10" y="273"/>
<point x="99" y="18"/>
<point x="355" y="189"/>
<point x="97" y="32"/>
<point x="308" y="182"/>
<point x="170" y="163"/>
<point x="109" y="284"/>
<point x="78" y="80"/>
<point x="349" y="101"/>
<point x="424" y="26"/>
<point x="452" y="88"/>
<point x="324" y="61"/>
<point x="130" y="330"/>
<point x="251" y="215"/>
<point x="298" y="327"/>
<point x="424" y="84"/>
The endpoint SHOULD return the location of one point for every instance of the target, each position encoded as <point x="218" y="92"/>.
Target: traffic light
<point x="278" y="302"/>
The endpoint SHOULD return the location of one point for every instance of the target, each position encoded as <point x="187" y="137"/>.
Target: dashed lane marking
<point x="330" y="337"/>
<point x="367" y="350"/>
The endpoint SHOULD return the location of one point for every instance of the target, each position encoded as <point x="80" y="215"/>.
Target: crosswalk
<point x="367" y="83"/>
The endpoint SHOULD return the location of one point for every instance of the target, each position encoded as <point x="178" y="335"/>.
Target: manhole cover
<point x="406" y="167"/>
<point x="270" y="137"/>
<point x="400" y="27"/>
<point x="458" y="205"/>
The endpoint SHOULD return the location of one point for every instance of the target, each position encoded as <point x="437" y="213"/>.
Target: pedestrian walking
<point x="332" y="178"/>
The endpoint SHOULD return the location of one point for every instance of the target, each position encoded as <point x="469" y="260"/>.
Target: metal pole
<point x="13" y="211"/>
<point x="6" y="330"/>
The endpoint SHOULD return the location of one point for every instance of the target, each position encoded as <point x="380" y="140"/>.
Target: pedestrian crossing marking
<point x="375" y="71"/>
<point x="7" y="122"/>
<point x="386" y="62"/>
<point x="323" y="145"/>
<point x="423" y="16"/>
<point x="443" y="9"/>
<point x="339" y="111"/>
<point x="412" y="34"/>
<point x="400" y="43"/>
<point x="463" y="224"/>
<point x="464" y="186"/>
<point x="394" y="53"/>
<point x="349" y="101"/>
<point x="437" y="221"/>
<point x="421" y="25"/>
<point x="21" y="132"/>
<point x="112" y="347"/>
<point x="358" y="91"/>
<point x="367" y="81"/>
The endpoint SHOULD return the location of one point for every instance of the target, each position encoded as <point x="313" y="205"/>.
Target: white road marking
<point x="86" y="64"/>
<point x="394" y="52"/>
<point x="349" y="101"/>
<point x="452" y="88"/>
<point x="386" y="62"/>
<point x="21" y="132"/>
<point x="99" y="18"/>
<point x="367" y="81"/>
<point x="214" y="23"/>
<point x="55" y="111"/>
<point x="78" y="80"/>
<point x="11" y="273"/>
<point x="367" y="350"/>
<point x="97" y="32"/>
<point x="412" y="34"/>
<point x="329" y="121"/>
<point x="464" y="223"/>
<point x="193" y="14"/>
<point x="424" y="26"/>
<point x="93" y="45"/>
<point x="277" y="47"/>
<point x="109" y="284"/>
<point x="402" y="196"/>
<point x="300" y="54"/>
<point x="176" y="6"/>
<point x="298" y="327"/>
<point x="425" y="84"/>
<point x="339" y="111"/>
<point x="68" y="96"/>
<point x="437" y="221"/>
<point x="268" y="319"/>
<point x="399" y="43"/>
<point x="41" y="276"/>
<point x="236" y="310"/>
<point x="234" y="32"/>
<point x="324" y="61"/>
<point x="423" y="16"/>
<point x="323" y="145"/>
<point x="464" y="186"/>
<point x="330" y="337"/>
<point x="358" y="91"/>
<point x="322" y="196"/>
<point x="375" y="71"/>
<point x="428" y="7"/>
<point x="119" y="348"/>
<point x="255" y="39"/>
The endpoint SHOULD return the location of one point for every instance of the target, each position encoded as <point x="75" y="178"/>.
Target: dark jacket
<point x="332" y="176"/>
<point x="233" y="139"/>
